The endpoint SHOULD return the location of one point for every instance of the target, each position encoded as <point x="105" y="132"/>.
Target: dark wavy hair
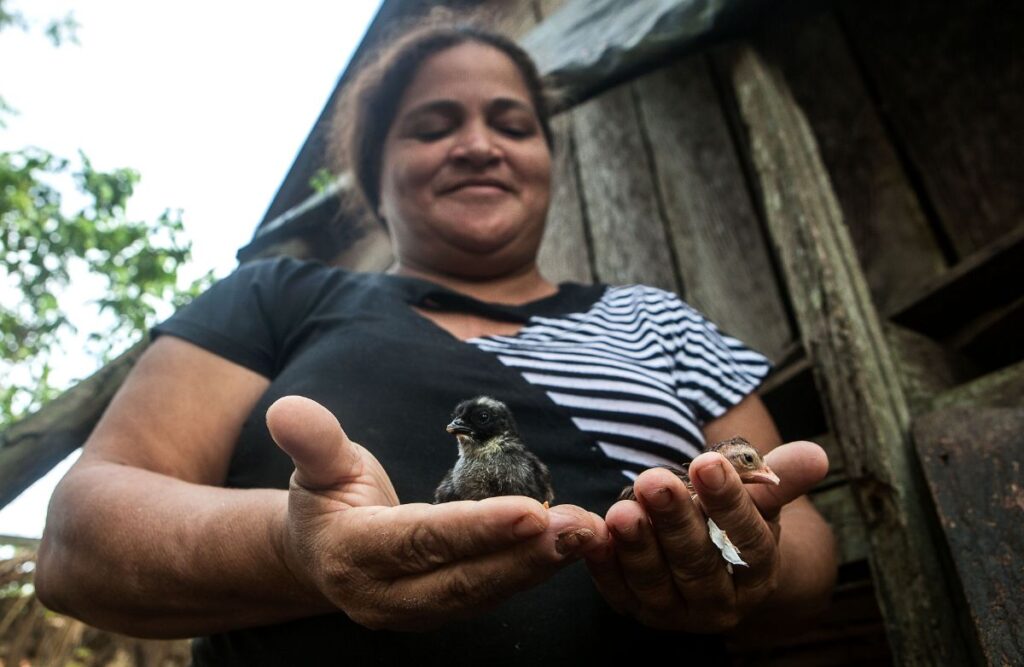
<point x="361" y="122"/>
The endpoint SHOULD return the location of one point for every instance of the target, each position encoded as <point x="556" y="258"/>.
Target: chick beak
<point x="762" y="475"/>
<point x="458" y="427"/>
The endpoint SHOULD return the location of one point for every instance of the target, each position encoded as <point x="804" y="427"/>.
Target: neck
<point x="514" y="288"/>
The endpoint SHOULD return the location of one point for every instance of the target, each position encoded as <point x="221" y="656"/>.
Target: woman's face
<point x="465" y="178"/>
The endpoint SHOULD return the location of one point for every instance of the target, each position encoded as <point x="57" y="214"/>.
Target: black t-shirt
<point x="603" y="382"/>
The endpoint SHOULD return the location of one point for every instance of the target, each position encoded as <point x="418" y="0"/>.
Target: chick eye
<point x="483" y="416"/>
<point x="748" y="458"/>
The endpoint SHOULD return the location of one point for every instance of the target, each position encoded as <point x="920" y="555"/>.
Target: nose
<point x="475" y="145"/>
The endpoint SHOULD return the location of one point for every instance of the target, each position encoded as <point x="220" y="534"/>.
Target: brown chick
<point x="752" y="470"/>
<point x="741" y="454"/>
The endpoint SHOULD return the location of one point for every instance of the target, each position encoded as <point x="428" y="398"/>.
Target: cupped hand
<point x="665" y="571"/>
<point x="415" y="566"/>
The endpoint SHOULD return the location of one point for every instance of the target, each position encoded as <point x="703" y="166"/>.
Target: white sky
<point x="209" y="101"/>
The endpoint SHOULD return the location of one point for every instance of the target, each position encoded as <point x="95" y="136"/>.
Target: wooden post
<point x="853" y="367"/>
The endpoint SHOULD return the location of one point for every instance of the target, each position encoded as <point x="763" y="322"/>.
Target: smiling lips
<point x="477" y="185"/>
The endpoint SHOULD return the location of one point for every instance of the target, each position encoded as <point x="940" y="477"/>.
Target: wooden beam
<point x="33" y="445"/>
<point x="855" y="372"/>
<point x="988" y="279"/>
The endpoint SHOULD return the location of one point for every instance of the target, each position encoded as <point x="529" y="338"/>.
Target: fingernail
<point x="527" y="526"/>
<point x="571" y="541"/>
<point x="659" y="499"/>
<point x="713" y="476"/>
<point x="629" y="532"/>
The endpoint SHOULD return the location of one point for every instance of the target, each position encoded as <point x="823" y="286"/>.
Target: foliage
<point x="57" y="31"/>
<point x="45" y="248"/>
<point x="322" y="180"/>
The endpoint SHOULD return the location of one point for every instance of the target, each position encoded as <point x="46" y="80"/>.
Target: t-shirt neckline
<point x="569" y="297"/>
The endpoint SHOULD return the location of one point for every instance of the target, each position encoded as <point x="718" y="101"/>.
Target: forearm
<point x="145" y="554"/>
<point x="807" y="573"/>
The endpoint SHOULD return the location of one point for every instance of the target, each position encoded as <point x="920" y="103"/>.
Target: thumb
<point x="310" y="434"/>
<point x="799" y="465"/>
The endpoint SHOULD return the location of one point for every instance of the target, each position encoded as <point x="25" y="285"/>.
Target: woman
<point x="176" y="521"/>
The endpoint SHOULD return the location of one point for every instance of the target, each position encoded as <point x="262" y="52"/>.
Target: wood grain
<point x="565" y="252"/>
<point x="950" y="78"/>
<point x="973" y="459"/>
<point x="722" y="253"/>
<point x="619" y="193"/>
<point x="843" y="337"/>
<point x="896" y="246"/>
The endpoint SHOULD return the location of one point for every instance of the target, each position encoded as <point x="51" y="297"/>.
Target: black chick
<point x="493" y="461"/>
<point x="737" y="451"/>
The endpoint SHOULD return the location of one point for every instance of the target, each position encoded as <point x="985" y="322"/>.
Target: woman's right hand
<point x="416" y="566"/>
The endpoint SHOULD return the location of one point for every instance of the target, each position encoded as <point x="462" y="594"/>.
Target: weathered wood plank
<point x="926" y="368"/>
<point x="565" y="252"/>
<point x="973" y="459"/>
<point x="33" y="445"/>
<point x="986" y="280"/>
<point x="949" y="76"/>
<point x="843" y="337"/>
<point x="721" y="250"/>
<point x="839" y="508"/>
<point x="513" y="18"/>
<point x="1002" y="389"/>
<point x="896" y="246"/>
<point x="619" y="193"/>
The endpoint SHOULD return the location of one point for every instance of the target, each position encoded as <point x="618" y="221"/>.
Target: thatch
<point x="32" y="635"/>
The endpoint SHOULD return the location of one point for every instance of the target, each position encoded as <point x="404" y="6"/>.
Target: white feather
<point x="729" y="551"/>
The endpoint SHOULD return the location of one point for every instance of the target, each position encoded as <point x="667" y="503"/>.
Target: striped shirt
<point x="640" y="371"/>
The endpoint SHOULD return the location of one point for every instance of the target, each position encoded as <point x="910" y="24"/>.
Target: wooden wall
<point x="917" y="112"/>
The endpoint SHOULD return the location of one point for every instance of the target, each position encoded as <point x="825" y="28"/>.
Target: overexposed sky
<point x="209" y="101"/>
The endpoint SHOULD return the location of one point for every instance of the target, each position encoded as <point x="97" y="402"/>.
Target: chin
<point x="482" y="235"/>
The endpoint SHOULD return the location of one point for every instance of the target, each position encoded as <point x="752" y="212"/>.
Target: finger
<point x="800" y="466"/>
<point x="643" y="567"/>
<point x="311" y="435"/>
<point x="418" y="538"/>
<point x="727" y="502"/>
<point x="468" y="586"/>
<point x="698" y="569"/>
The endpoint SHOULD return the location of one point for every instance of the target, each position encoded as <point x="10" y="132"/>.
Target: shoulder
<point x="278" y="269"/>
<point x="648" y="300"/>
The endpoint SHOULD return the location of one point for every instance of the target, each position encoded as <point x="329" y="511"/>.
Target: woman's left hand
<point x="663" y="568"/>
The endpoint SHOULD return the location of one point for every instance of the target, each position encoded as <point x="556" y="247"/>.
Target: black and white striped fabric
<point x="640" y="371"/>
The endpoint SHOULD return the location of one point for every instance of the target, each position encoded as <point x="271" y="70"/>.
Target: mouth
<point x="478" y="185"/>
